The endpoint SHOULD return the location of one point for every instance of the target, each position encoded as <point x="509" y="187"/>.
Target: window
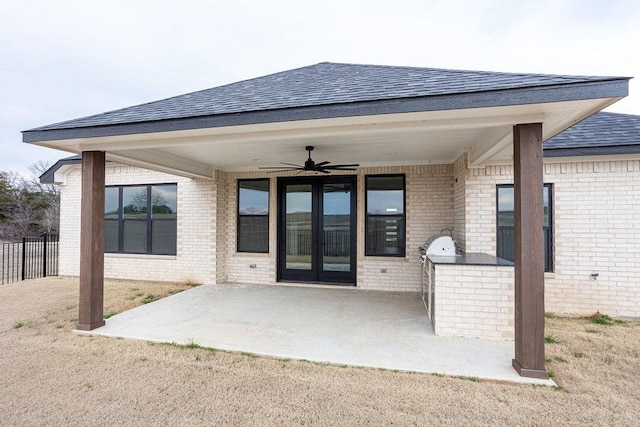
<point x="385" y="222"/>
<point x="253" y="215"/>
<point x="506" y="231"/>
<point x="141" y="219"/>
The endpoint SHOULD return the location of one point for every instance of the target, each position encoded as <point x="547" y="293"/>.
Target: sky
<point x="66" y="59"/>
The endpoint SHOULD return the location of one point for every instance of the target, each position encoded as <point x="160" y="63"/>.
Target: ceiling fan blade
<point x="354" y="165"/>
<point x="291" y="164"/>
<point x="278" y="168"/>
<point x="320" y="164"/>
<point x="341" y="167"/>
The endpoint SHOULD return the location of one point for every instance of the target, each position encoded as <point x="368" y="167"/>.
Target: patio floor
<point x="341" y="326"/>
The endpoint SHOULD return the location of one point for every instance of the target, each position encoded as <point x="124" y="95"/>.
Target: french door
<point x="317" y="229"/>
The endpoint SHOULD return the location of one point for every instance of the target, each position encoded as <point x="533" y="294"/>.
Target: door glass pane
<point x="336" y="221"/>
<point x="298" y="243"/>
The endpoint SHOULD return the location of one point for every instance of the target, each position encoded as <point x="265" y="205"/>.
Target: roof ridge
<point x="461" y="71"/>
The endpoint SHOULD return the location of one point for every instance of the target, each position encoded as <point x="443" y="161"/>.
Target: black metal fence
<point x="32" y="258"/>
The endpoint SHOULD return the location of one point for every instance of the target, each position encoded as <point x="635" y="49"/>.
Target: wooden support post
<point x="92" y="242"/>
<point x="529" y="251"/>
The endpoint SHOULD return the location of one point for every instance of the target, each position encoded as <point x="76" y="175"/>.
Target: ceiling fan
<point x="311" y="166"/>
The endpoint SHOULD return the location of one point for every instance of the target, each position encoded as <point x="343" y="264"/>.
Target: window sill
<point x="252" y="254"/>
<point x="386" y="257"/>
<point x="549" y="275"/>
<point x="141" y="256"/>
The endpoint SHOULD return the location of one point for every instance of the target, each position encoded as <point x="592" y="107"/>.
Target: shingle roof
<point x="602" y="129"/>
<point x="321" y="85"/>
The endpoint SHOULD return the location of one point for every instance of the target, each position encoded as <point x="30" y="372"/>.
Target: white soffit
<point x="435" y="137"/>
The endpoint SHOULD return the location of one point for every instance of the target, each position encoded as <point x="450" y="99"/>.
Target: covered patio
<point x="372" y="116"/>
<point x="385" y="330"/>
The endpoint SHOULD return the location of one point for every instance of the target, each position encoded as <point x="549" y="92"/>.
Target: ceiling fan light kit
<point x="311" y="166"/>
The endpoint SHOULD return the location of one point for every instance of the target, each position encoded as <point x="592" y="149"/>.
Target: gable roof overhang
<point x="426" y="129"/>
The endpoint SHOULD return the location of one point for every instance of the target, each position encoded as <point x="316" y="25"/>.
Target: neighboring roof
<point x="48" y="177"/>
<point x="601" y="133"/>
<point x="333" y="90"/>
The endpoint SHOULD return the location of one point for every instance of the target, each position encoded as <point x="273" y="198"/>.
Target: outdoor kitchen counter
<point x="471" y="258"/>
<point x="469" y="295"/>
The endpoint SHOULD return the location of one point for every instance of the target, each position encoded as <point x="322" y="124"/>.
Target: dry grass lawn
<point x="50" y="376"/>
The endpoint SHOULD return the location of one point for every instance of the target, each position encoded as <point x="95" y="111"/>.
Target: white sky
<point x="65" y="59"/>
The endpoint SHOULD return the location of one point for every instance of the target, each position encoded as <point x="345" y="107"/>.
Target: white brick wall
<point x="475" y="302"/>
<point x="429" y="205"/>
<point x="460" y="172"/>
<point x="596" y="230"/>
<point x="196" y="244"/>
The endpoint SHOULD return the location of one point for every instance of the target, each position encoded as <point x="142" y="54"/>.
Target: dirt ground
<point x="50" y="376"/>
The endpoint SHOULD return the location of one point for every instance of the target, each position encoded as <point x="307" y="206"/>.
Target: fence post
<point x="44" y="254"/>
<point x="24" y="257"/>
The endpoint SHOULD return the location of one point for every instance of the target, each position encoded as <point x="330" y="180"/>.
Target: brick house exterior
<point x="428" y="148"/>
<point x="589" y="238"/>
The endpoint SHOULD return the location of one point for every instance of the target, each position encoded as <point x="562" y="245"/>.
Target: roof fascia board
<point x="557" y="93"/>
<point x="591" y="151"/>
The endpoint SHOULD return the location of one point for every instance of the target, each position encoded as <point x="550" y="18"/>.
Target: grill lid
<point x="442" y="245"/>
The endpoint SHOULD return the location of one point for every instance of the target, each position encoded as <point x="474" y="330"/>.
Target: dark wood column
<point x="529" y="251"/>
<point x="92" y="242"/>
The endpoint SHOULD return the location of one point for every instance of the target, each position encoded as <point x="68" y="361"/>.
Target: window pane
<point x="385" y="228"/>
<point x="253" y="197"/>
<point x="505" y="227"/>
<point x="385" y="235"/>
<point x="163" y="237"/>
<point x="385" y="195"/>
<point x="111" y="202"/>
<point x="135" y="236"/>
<point x="134" y="203"/>
<point x="253" y="215"/>
<point x="545" y="196"/>
<point x="111" y="236"/>
<point x="164" y="202"/>
<point x="253" y="233"/>
<point x="505" y="206"/>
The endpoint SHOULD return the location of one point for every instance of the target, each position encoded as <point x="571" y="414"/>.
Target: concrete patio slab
<point x="340" y="326"/>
